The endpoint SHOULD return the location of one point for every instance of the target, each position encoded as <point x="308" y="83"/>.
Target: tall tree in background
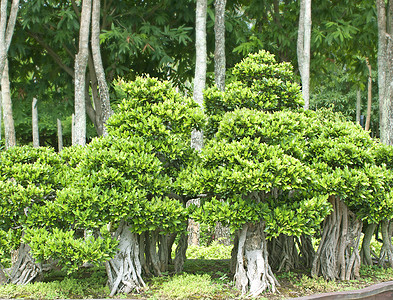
<point x="6" y="32"/>
<point x="105" y="109"/>
<point x="385" y="69"/>
<point x="80" y="75"/>
<point x="303" y="48"/>
<point x="199" y="86"/>
<point x="219" y="52"/>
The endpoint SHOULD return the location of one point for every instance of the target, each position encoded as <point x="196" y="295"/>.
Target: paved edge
<point x="367" y="292"/>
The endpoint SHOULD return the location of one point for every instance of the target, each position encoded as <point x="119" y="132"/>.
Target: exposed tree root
<point x="25" y="269"/>
<point x="180" y="256"/>
<point x="283" y="254"/>
<point x="253" y="273"/>
<point x="124" y="270"/>
<point x="338" y="252"/>
<point x="365" y="252"/>
<point x="386" y="255"/>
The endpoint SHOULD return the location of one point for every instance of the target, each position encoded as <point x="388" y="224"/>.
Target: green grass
<point x="202" y="279"/>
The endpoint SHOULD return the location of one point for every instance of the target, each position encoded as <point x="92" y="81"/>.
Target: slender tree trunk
<point x="219" y="53"/>
<point x="9" y="127"/>
<point x="369" y="98"/>
<point x="6" y="29"/>
<point x="200" y="65"/>
<point x="99" y="68"/>
<point x="80" y="74"/>
<point x="59" y="136"/>
<point x="303" y="49"/>
<point x="36" y="137"/>
<point x="385" y="72"/>
<point x="386" y="255"/>
<point x="358" y="105"/>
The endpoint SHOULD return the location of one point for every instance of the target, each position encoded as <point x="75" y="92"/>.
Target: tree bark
<point x="106" y="110"/>
<point x="369" y="97"/>
<point x="80" y="74"/>
<point x="34" y="117"/>
<point x="338" y="256"/>
<point x="180" y="255"/>
<point x="9" y="127"/>
<point x="385" y="72"/>
<point x="365" y="252"/>
<point x="283" y="254"/>
<point x="303" y="49"/>
<point x="358" y="105"/>
<point x="253" y="273"/>
<point x="219" y="53"/>
<point x="124" y="270"/>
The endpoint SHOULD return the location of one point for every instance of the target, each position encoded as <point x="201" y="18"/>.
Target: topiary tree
<point x="28" y="179"/>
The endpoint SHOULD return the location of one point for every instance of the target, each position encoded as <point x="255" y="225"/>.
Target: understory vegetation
<point x="302" y="193"/>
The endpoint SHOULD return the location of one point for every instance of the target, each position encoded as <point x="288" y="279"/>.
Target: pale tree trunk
<point x="385" y="71"/>
<point x="59" y="136"/>
<point x="80" y="74"/>
<point x="338" y="255"/>
<point x="369" y="97"/>
<point x="200" y="65"/>
<point x="73" y="142"/>
<point x="253" y="274"/>
<point x="34" y="121"/>
<point x="358" y="105"/>
<point x="219" y="52"/>
<point x="9" y="127"/>
<point x="124" y="270"/>
<point x="1" y="116"/>
<point x="200" y="78"/>
<point x="303" y="49"/>
<point x="221" y="233"/>
<point x="106" y="110"/>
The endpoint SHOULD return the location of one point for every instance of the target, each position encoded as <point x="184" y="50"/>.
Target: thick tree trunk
<point x="303" y="49"/>
<point x="9" y="127"/>
<point x="338" y="256"/>
<point x="25" y="269"/>
<point x="365" y="252"/>
<point x="369" y="97"/>
<point x="124" y="270"/>
<point x="219" y="52"/>
<point x="106" y="110"/>
<point x="34" y="121"/>
<point x="80" y="75"/>
<point x="253" y="273"/>
<point x="386" y="255"/>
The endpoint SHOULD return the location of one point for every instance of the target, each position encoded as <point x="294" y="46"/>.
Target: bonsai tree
<point x="119" y="189"/>
<point x="266" y="192"/>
